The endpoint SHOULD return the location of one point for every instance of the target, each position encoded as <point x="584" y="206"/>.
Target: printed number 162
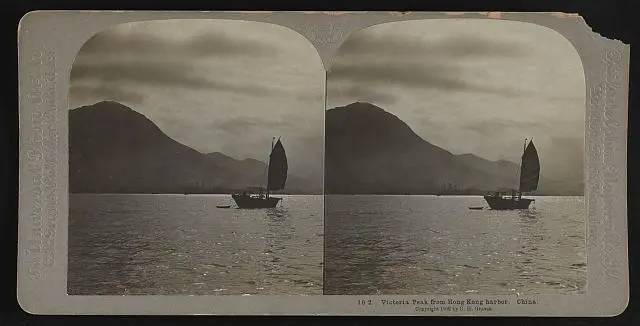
<point x="364" y="302"/>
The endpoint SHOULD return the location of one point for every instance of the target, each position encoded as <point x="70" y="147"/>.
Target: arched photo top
<point x="460" y="27"/>
<point x="213" y="85"/>
<point x="190" y="53"/>
<point x="452" y="42"/>
<point x="441" y="113"/>
<point x="476" y="87"/>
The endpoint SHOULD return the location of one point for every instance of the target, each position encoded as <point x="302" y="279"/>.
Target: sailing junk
<point x="529" y="176"/>
<point x="276" y="180"/>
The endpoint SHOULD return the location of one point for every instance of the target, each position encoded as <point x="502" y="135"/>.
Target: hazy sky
<point x="227" y="86"/>
<point x="471" y="86"/>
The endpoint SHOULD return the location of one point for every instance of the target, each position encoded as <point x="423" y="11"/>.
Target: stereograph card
<point x="321" y="163"/>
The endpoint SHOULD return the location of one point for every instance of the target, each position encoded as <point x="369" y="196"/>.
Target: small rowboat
<point x="476" y="208"/>
<point x="223" y="206"/>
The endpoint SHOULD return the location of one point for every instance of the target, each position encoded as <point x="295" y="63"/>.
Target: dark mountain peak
<point x="115" y="149"/>
<point x="105" y="108"/>
<point x="359" y="106"/>
<point x="363" y="110"/>
<point x="368" y="125"/>
<point x="370" y="150"/>
<point x="109" y="116"/>
<point x="114" y="126"/>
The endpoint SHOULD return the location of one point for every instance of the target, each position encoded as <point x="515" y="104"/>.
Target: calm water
<point x="175" y="244"/>
<point x="436" y="245"/>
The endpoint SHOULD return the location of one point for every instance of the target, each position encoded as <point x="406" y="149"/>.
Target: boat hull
<point x="507" y="203"/>
<point x="250" y="202"/>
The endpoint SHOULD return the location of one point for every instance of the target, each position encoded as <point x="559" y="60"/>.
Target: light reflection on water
<point x="165" y="244"/>
<point x="175" y="244"/>
<point x="436" y="245"/>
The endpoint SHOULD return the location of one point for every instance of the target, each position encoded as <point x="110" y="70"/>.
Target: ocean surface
<point x="184" y="245"/>
<point x="437" y="245"/>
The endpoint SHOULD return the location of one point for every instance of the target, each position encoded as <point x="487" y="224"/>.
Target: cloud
<point x="221" y="45"/>
<point x="84" y="92"/>
<point x="457" y="46"/>
<point x="410" y="74"/>
<point x="141" y="58"/>
<point x="200" y="45"/>
<point x="406" y="61"/>
<point x="159" y="74"/>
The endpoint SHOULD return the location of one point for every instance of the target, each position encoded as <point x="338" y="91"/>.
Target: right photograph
<point x="454" y="161"/>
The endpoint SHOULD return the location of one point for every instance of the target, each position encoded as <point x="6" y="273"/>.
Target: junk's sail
<point x="529" y="169"/>
<point x="276" y="179"/>
<point x="278" y="168"/>
<point x="529" y="176"/>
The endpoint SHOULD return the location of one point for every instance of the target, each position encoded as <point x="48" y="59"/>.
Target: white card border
<point x="48" y="43"/>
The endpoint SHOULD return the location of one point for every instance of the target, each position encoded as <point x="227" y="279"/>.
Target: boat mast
<point x="524" y="149"/>
<point x="268" y="163"/>
<point x="517" y="176"/>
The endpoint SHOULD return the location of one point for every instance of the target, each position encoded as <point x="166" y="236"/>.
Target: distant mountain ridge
<point x="371" y="151"/>
<point x="114" y="149"/>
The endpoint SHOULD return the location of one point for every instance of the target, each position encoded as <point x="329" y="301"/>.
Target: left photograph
<point x="196" y="161"/>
